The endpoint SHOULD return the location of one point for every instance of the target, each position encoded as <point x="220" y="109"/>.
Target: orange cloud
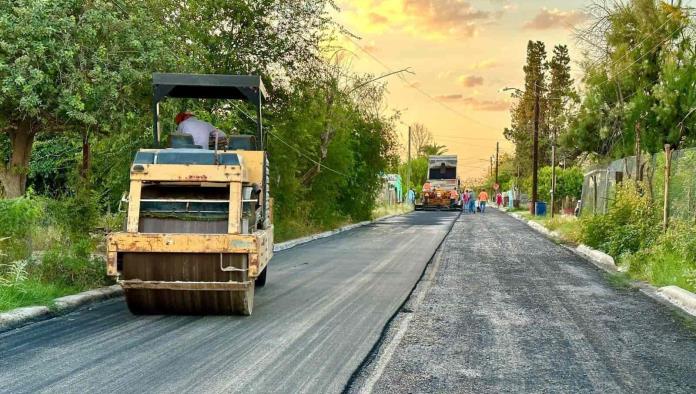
<point x="449" y="16"/>
<point x="471" y="81"/>
<point x="377" y="19"/>
<point x="547" y="19"/>
<point x="475" y="103"/>
<point x="484" y="64"/>
<point x="450" y="97"/>
<point x="486" y="105"/>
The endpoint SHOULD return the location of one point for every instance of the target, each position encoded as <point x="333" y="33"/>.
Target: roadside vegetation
<point x="636" y="95"/>
<point x="631" y="232"/>
<point x="48" y="250"/>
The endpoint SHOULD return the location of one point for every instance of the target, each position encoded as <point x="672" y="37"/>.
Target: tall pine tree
<point x="521" y="128"/>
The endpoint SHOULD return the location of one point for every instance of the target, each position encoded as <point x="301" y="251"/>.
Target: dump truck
<point x="199" y="229"/>
<point x="441" y="190"/>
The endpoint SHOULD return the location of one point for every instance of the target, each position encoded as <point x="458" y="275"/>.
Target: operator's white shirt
<point x="199" y="129"/>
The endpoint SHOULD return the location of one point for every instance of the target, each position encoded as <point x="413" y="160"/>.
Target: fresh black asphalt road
<point x="507" y="310"/>
<point x="324" y="307"/>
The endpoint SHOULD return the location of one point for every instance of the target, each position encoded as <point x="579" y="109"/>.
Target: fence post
<point x="668" y="165"/>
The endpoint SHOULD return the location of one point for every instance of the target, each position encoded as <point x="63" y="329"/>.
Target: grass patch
<point x="32" y="292"/>
<point x="662" y="269"/>
<point x="302" y="226"/>
<point x="567" y="226"/>
<point x="619" y="280"/>
<point x="394" y="209"/>
<point x="293" y="228"/>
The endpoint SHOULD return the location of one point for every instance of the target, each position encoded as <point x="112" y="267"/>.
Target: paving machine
<point x="199" y="231"/>
<point x="441" y="190"/>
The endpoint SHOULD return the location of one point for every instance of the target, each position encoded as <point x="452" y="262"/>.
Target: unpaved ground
<point x="510" y="311"/>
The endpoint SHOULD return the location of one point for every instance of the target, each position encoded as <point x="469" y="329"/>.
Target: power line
<point x="612" y="63"/>
<point x="643" y="55"/>
<point x="418" y="89"/>
<point x="297" y="150"/>
<point x="305" y="155"/>
<point x="469" y="138"/>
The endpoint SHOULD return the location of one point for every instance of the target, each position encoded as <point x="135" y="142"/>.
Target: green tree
<point x="419" y="173"/>
<point x="568" y="183"/>
<point x="561" y="95"/>
<point x="522" y="113"/>
<point x="641" y="82"/>
<point x="433" y="150"/>
<point x="281" y="40"/>
<point x="70" y="66"/>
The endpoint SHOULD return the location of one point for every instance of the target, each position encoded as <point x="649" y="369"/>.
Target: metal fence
<point x="599" y="185"/>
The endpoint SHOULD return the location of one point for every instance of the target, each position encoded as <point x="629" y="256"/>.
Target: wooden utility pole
<point x="553" y="173"/>
<point x="668" y="167"/>
<point x="408" y="160"/>
<point x="638" y="173"/>
<point x="535" y="152"/>
<point x="497" y="151"/>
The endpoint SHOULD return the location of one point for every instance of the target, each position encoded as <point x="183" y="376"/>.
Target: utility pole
<point x="535" y="153"/>
<point x="553" y="173"/>
<point x="668" y="167"/>
<point x="408" y="170"/>
<point x="497" y="151"/>
<point x="637" y="152"/>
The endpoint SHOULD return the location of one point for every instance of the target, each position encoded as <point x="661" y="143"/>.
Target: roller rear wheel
<point x="191" y="268"/>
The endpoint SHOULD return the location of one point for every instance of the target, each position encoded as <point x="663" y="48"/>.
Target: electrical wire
<point x="305" y="155"/>
<point x="643" y="55"/>
<point x="297" y="150"/>
<point x="418" y="89"/>
<point x="612" y="63"/>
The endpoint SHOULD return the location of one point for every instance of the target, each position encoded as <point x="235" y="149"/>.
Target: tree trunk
<point x="13" y="175"/>
<point x="84" y="171"/>
<point x="326" y="138"/>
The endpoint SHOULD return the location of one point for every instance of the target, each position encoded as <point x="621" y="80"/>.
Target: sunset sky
<point x="462" y="53"/>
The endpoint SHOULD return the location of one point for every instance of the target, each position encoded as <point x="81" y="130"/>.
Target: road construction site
<point x="500" y="308"/>
<point x="321" y="312"/>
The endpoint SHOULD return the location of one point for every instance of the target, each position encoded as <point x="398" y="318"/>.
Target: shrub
<point x="671" y="259"/>
<point x="76" y="215"/>
<point x="594" y="230"/>
<point x="73" y="265"/>
<point x="630" y="224"/>
<point x="13" y="274"/>
<point x="18" y="217"/>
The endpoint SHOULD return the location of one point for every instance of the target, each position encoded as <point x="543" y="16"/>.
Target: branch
<point x="407" y="70"/>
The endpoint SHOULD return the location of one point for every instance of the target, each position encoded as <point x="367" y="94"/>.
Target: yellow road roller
<point x="199" y="227"/>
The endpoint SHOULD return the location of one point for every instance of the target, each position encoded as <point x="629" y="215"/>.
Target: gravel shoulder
<point x="505" y="309"/>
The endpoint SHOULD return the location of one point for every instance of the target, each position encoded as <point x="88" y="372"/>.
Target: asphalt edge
<point x="19" y="317"/>
<point x="303" y="240"/>
<point x="673" y="296"/>
<point x="365" y="368"/>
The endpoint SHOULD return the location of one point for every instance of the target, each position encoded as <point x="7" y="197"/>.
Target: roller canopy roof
<point x="208" y="86"/>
